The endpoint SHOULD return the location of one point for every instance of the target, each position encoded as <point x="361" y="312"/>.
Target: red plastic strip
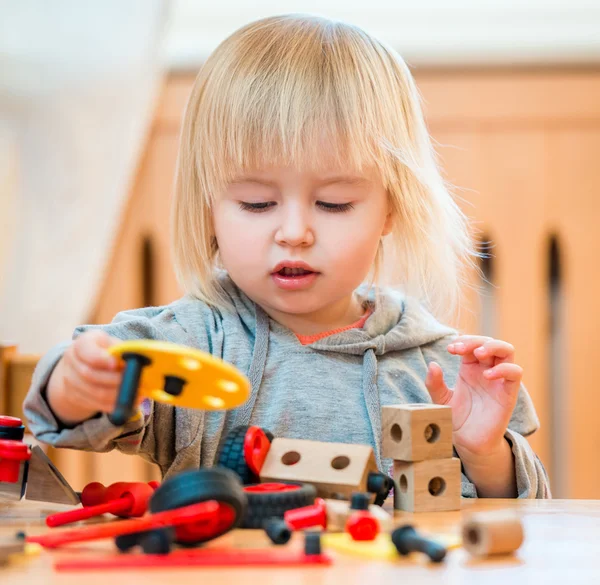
<point x="196" y="558"/>
<point x="205" y="511"/>
<point x="271" y="487"/>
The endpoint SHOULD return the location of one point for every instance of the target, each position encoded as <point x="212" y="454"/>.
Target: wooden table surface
<point x="562" y="545"/>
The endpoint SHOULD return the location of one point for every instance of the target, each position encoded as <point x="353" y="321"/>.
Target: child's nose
<point x="295" y="230"/>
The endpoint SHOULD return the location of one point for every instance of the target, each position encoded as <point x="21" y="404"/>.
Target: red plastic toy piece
<point x="10" y="421"/>
<point x="12" y="453"/>
<point x="126" y="501"/>
<point x="307" y="517"/>
<point x="94" y="494"/>
<point x="271" y="487"/>
<point x="256" y="448"/>
<point x="198" y="514"/>
<point x="196" y="558"/>
<point x="362" y="526"/>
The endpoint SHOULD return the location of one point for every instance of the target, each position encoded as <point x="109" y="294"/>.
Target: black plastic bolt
<point x="157" y="542"/>
<point x="134" y="364"/>
<point x="360" y="501"/>
<point x="380" y="484"/>
<point x="278" y="531"/>
<point x="312" y="543"/>
<point x="406" y="540"/>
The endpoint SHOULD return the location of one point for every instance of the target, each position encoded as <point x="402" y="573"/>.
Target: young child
<point x="303" y="147"/>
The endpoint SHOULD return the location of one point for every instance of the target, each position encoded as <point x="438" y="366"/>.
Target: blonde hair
<point x="281" y="89"/>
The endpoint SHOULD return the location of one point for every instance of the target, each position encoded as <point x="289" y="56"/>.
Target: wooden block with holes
<point x="432" y="485"/>
<point x="335" y="469"/>
<point x="415" y="432"/>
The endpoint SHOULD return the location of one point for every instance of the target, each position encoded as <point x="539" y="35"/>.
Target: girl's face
<point x="300" y="242"/>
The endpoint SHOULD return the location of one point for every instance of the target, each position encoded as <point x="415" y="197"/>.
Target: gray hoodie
<point x="330" y="390"/>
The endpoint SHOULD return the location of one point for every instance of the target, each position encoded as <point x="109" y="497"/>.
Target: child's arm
<point x="80" y="422"/>
<point x="489" y="407"/>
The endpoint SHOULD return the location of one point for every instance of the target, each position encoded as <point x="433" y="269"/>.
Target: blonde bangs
<point x="285" y="91"/>
<point x="317" y="94"/>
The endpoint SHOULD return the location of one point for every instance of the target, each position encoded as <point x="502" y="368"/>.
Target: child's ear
<point x="388" y="225"/>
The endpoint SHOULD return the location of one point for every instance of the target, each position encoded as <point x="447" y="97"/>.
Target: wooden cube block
<point x="335" y="469"/>
<point x="432" y="485"/>
<point x="415" y="432"/>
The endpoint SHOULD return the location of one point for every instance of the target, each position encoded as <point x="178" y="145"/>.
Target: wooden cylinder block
<point x="492" y="533"/>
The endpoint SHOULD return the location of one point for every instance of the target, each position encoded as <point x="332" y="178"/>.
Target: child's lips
<point x="295" y="281"/>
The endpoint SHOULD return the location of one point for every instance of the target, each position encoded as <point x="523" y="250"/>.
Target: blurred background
<point x="91" y="99"/>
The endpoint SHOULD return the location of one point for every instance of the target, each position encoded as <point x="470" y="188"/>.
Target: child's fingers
<point x="479" y="348"/>
<point x="494" y="352"/>
<point x="95" y="377"/>
<point x="511" y="373"/>
<point x="90" y="348"/>
<point x="464" y="345"/>
<point x="434" y="381"/>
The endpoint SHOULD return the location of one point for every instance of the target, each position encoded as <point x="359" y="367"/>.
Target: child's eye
<point x="256" y="207"/>
<point x="335" y="207"/>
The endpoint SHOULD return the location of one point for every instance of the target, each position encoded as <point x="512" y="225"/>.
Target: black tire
<point x="231" y="454"/>
<point x="200" y="485"/>
<point x="264" y="506"/>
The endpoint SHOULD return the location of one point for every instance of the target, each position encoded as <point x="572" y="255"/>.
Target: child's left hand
<point x="485" y="393"/>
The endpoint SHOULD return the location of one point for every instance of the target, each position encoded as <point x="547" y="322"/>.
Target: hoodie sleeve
<point x="98" y="433"/>
<point x="531" y="476"/>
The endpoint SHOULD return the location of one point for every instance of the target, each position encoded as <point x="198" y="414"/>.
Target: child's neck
<point x="335" y="316"/>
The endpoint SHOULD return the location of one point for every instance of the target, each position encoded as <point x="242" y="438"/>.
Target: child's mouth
<point x="293" y="272"/>
<point x="294" y="278"/>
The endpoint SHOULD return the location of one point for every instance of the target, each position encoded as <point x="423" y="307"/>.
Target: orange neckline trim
<point x="308" y="339"/>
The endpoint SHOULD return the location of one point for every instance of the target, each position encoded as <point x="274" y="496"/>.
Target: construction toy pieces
<point x="12" y="456"/>
<point x="418" y="437"/>
<point x="406" y="540"/>
<point x="274" y="500"/>
<point x="26" y="471"/>
<point x="201" y="505"/>
<point x="496" y="532"/>
<point x="175" y="374"/>
<point x="311" y="555"/>
<point x="361" y="525"/>
<point x="11" y="428"/>
<point x="244" y="451"/>
<point x="123" y="499"/>
<point x="196" y="514"/>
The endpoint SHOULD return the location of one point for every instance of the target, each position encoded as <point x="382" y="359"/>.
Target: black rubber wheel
<point x="231" y="454"/>
<point x="266" y="505"/>
<point x="201" y="485"/>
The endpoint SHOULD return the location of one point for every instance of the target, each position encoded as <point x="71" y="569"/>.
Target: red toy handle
<point x="128" y="500"/>
<point x="197" y="513"/>
<point x="115" y="507"/>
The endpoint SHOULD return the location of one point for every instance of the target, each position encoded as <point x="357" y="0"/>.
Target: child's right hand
<point x="86" y="380"/>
